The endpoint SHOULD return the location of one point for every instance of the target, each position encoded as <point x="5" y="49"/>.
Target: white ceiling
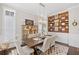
<point x="36" y="9"/>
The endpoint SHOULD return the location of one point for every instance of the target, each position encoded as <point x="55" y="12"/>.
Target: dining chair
<point x="23" y="50"/>
<point x="52" y="43"/>
<point x="46" y="45"/>
<point x="52" y="38"/>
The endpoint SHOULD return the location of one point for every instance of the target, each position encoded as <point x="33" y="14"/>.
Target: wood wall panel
<point x="59" y="23"/>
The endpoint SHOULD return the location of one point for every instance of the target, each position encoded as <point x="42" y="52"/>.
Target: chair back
<point x="46" y="44"/>
<point x="18" y="48"/>
<point x="52" y="42"/>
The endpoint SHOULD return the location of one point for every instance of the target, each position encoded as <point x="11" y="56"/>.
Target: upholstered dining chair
<point x="46" y="45"/>
<point x="52" y="43"/>
<point x="52" y="38"/>
<point x="23" y="50"/>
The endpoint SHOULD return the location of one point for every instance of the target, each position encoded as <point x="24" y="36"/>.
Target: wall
<point x="61" y="37"/>
<point x="20" y="18"/>
<point x="0" y="19"/>
<point x="0" y="23"/>
<point x="71" y="38"/>
<point x="74" y="30"/>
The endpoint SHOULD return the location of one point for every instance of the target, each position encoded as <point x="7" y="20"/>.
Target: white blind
<point x="9" y="26"/>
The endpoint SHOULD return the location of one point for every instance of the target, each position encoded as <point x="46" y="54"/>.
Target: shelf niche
<point x="59" y="22"/>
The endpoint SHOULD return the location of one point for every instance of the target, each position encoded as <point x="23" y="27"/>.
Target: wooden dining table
<point x="34" y="42"/>
<point x="5" y="48"/>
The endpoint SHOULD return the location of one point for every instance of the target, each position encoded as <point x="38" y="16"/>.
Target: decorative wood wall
<point x="59" y="23"/>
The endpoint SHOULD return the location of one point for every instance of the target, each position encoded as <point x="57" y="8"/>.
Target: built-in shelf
<point x="59" y="22"/>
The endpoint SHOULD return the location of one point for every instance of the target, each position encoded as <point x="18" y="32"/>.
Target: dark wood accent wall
<point x="59" y="22"/>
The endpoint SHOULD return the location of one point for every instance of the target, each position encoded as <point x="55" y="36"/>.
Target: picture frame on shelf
<point x="29" y="22"/>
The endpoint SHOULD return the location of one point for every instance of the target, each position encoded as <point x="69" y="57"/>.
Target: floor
<point x="71" y="50"/>
<point x="60" y="49"/>
<point x="63" y="49"/>
<point x="57" y="49"/>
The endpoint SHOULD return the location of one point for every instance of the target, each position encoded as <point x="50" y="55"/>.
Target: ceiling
<point x="36" y="9"/>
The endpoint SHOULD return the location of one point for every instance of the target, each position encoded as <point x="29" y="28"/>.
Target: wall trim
<point x="62" y="43"/>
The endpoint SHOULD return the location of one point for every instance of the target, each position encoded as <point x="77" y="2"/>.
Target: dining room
<point x="39" y="29"/>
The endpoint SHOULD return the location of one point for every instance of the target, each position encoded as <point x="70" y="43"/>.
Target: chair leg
<point x="51" y="49"/>
<point x="54" y="48"/>
<point x="32" y="53"/>
<point x="48" y="51"/>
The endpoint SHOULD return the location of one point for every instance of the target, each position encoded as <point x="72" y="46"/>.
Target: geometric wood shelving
<point x="59" y="22"/>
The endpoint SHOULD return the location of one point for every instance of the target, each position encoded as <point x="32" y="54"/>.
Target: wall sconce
<point x="74" y="23"/>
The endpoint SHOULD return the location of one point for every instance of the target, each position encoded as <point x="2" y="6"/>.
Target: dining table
<point x="5" y="48"/>
<point x="34" y="42"/>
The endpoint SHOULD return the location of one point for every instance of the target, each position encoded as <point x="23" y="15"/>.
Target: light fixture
<point x="74" y="23"/>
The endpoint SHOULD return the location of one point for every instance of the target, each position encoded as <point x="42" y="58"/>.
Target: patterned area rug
<point x="59" y="50"/>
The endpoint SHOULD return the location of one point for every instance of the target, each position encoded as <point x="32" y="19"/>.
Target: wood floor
<point x="73" y="51"/>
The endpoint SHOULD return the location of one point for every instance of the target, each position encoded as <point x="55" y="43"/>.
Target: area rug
<point x="59" y="50"/>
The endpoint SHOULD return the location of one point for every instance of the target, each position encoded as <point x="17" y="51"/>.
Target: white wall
<point x="61" y="37"/>
<point x="20" y="18"/>
<point x="74" y="30"/>
<point x="0" y="23"/>
<point x="71" y="38"/>
<point x="0" y="19"/>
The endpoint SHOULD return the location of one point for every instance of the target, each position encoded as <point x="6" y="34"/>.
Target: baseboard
<point x="61" y="43"/>
<point x="65" y="44"/>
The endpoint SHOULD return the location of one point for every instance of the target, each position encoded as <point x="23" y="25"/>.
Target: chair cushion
<point x="27" y="50"/>
<point x="40" y="47"/>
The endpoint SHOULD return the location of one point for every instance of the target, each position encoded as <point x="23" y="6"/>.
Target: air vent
<point x="9" y="13"/>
